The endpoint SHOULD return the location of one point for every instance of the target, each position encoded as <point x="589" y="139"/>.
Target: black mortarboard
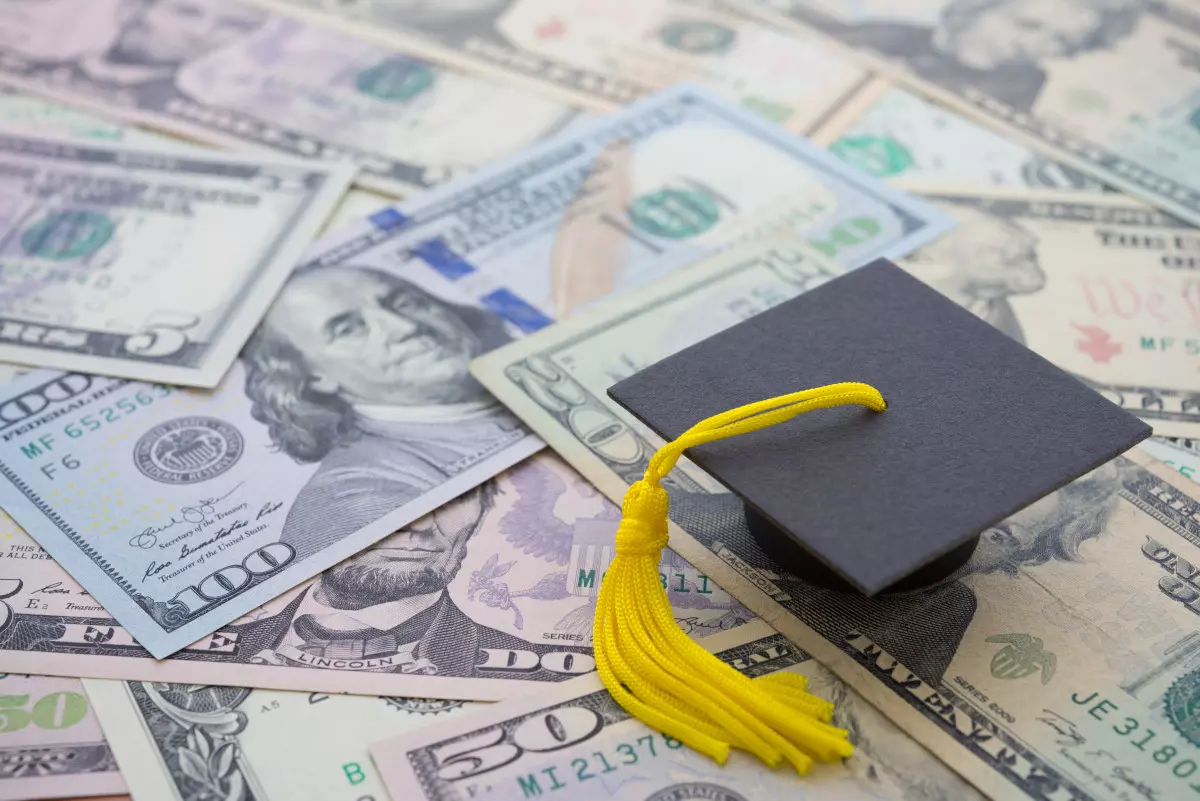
<point x="977" y="427"/>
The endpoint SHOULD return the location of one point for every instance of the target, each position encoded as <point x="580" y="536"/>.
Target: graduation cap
<point x="954" y="427"/>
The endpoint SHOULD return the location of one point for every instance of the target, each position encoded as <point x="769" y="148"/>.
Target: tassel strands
<point x="656" y="672"/>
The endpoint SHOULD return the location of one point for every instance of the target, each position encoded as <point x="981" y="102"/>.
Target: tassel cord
<point x="656" y="672"/>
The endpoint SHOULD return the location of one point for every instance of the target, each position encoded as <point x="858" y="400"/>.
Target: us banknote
<point x="1179" y="454"/>
<point x="195" y="741"/>
<point x="358" y="414"/>
<point x="231" y="74"/>
<point x="147" y="262"/>
<point x="633" y="196"/>
<point x="508" y="608"/>
<point x="37" y="117"/>
<point x="606" y="53"/>
<point x="1110" y="87"/>
<point x="576" y="738"/>
<point x="1099" y="284"/>
<point x="51" y="745"/>
<point x="892" y="133"/>
<point x="1062" y="662"/>
<point x="33" y="115"/>
<point x="350" y="414"/>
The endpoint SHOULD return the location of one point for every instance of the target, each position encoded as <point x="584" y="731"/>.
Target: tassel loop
<point x="665" y="679"/>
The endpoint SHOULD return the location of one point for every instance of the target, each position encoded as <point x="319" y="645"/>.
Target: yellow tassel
<point x="656" y="672"/>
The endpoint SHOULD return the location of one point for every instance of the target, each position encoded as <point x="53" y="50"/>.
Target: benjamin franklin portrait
<point x="365" y="374"/>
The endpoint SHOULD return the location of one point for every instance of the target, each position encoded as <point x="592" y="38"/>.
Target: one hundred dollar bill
<point x="349" y="414"/>
<point x="51" y="745"/>
<point x="184" y="742"/>
<point x="1100" y="285"/>
<point x="1110" y="87"/>
<point x="606" y="53"/>
<point x="143" y="261"/>
<point x="575" y="737"/>
<point x="625" y="199"/>
<point x="892" y="133"/>
<point x="228" y="73"/>
<point x="1060" y="663"/>
<point x="508" y="608"/>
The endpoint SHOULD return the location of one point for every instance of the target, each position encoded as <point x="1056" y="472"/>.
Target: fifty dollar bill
<point x="170" y="738"/>
<point x="51" y="745"/>
<point x="575" y="737"/>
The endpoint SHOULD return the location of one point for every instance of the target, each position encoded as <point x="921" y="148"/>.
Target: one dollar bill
<point x="183" y="742"/>
<point x="1059" y="663"/>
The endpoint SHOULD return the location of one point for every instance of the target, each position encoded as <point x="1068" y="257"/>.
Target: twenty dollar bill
<point x="1059" y="663"/>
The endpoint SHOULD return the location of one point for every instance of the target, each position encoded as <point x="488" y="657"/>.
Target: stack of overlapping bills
<point x="307" y="312"/>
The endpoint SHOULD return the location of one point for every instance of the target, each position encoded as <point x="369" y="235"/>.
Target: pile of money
<point x="308" y="310"/>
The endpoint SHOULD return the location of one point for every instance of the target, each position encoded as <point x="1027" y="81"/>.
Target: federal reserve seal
<point x="688" y="790"/>
<point x="423" y="706"/>
<point x="67" y="234"/>
<point x="1182" y="705"/>
<point x="188" y="450"/>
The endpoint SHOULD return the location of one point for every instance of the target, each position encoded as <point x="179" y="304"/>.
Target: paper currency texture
<point x="1098" y="284"/>
<point x="625" y="199"/>
<point x="51" y="745"/>
<point x="606" y="53"/>
<point x="1107" y="86"/>
<point x="890" y="132"/>
<point x="147" y="262"/>
<point x="350" y="414"/>
<point x="1058" y="663"/>
<point x="228" y="73"/>
<point x="194" y="741"/>
<point x="576" y="738"/>
<point x="509" y="610"/>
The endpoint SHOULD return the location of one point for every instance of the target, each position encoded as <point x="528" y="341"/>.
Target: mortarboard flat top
<point x="977" y="425"/>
